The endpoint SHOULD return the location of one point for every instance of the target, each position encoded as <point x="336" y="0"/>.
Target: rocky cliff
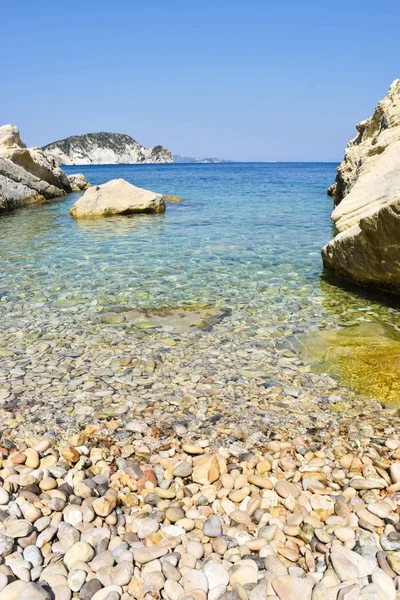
<point x="28" y="175"/>
<point x="104" y="149"/>
<point x="367" y="199"/>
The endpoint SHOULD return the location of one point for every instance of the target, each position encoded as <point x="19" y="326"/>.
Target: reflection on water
<point x="248" y="236"/>
<point x="120" y="225"/>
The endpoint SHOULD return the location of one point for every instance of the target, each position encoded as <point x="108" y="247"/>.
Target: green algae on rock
<point x="366" y="357"/>
<point x="174" y="199"/>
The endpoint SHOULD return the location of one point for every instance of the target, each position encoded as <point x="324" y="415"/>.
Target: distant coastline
<point x="189" y="159"/>
<point x="105" y="148"/>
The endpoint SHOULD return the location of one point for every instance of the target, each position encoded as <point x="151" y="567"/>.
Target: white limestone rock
<point x="10" y="137"/>
<point x="116" y="197"/>
<point x="28" y="175"/>
<point x="367" y="199"/>
<point x="78" y="182"/>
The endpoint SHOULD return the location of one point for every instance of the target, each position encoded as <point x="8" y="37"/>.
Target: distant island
<point x="104" y="148"/>
<point x="189" y="159"/>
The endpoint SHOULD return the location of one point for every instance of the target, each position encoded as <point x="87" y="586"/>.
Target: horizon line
<point x="225" y="162"/>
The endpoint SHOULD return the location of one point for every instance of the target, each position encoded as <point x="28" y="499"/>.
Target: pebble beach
<point x="296" y="521"/>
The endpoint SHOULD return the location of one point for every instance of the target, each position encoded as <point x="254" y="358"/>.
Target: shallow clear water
<point x="248" y="236"/>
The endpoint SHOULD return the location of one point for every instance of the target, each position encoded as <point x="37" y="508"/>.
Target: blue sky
<point x="255" y="80"/>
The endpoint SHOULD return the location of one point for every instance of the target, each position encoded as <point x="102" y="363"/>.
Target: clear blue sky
<point x="247" y="80"/>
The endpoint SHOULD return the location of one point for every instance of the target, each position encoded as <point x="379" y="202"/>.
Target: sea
<point x="247" y="236"/>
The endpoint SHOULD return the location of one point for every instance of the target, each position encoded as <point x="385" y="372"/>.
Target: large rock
<point x="20" y="188"/>
<point x="116" y="197"/>
<point x="35" y="162"/>
<point x="367" y="199"/>
<point x="27" y="175"/>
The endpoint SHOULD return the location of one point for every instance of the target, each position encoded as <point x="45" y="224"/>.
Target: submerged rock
<point x="179" y="318"/>
<point x="367" y="200"/>
<point x="174" y="199"/>
<point x="366" y="357"/>
<point x="116" y="197"/>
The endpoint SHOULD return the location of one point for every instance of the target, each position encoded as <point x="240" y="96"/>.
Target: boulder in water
<point x="116" y="197"/>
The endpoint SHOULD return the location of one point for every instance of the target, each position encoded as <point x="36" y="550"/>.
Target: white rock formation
<point x="116" y="197"/>
<point x="78" y="182"/>
<point x="104" y="149"/>
<point x="27" y="175"/>
<point x="10" y="138"/>
<point x="369" y="167"/>
<point x="367" y="198"/>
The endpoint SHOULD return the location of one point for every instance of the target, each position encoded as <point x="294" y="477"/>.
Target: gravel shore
<point x="296" y="521"/>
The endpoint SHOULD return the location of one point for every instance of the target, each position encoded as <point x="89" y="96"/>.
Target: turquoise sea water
<point x="248" y="236"/>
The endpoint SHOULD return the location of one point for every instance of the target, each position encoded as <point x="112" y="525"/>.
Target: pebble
<point x="320" y="592"/>
<point x="216" y="575"/>
<point x="182" y="469"/>
<point x="285" y="488"/>
<point x="32" y="591"/>
<point x="395" y="472"/>
<point x="4" y="496"/>
<point x="195" y="580"/>
<point x="6" y="545"/>
<point x="242" y="574"/>
<point x="3" y="581"/>
<point x="32" y="458"/>
<point x="292" y="588"/>
<point x="81" y="551"/>
<point x="118" y="575"/>
<point x="173" y="589"/>
<point x="33" y="555"/>
<point x="259" y="481"/>
<point x="385" y="582"/>
<point x="62" y="592"/>
<point x="19" y="529"/>
<point x="344" y="569"/>
<point x="12" y="590"/>
<point x="212" y="527"/>
<point x="145" y="555"/>
<point x="89" y="589"/>
<point x="174" y="514"/>
<point x="76" y="579"/>
<point x="111" y="592"/>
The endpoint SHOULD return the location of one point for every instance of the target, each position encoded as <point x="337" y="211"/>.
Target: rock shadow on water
<point x="365" y="357"/>
<point x="330" y="280"/>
